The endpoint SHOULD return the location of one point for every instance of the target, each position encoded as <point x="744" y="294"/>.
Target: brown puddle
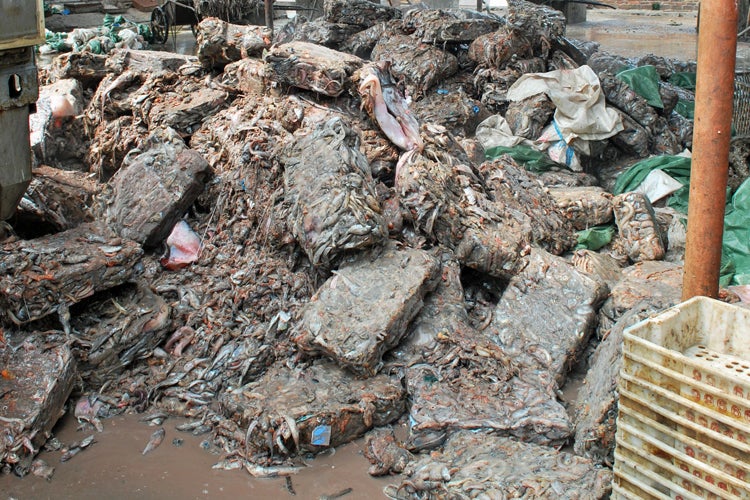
<point x="114" y="468"/>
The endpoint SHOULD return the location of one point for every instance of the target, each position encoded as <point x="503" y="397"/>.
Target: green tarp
<point x="644" y="80"/>
<point x="736" y="244"/>
<point x="529" y="158"/>
<point x="735" y="266"/>
<point x="684" y="80"/>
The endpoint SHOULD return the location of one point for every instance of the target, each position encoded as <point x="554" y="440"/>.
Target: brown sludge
<point x="361" y="263"/>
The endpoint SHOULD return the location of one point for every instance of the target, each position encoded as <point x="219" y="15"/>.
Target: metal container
<point x="21" y="27"/>
<point x="21" y="23"/>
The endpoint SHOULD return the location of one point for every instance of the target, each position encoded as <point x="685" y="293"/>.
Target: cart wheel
<point x="159" y="25"/>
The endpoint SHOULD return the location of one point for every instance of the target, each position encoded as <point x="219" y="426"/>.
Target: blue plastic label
<point x="321" y="435"/>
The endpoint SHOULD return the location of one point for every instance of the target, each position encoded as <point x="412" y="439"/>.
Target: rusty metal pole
<point x="269" y="15"/>
<point x="714" y="92"/>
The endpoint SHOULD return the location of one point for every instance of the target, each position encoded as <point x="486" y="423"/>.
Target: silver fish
<point x="229" y="464"/>
<point x="259" y="471"/>
<point x="156" y="438"/>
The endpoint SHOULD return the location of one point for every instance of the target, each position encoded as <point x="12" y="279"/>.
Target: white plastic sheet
<point x="657" y="185"/>
<point x="580" y="111"/>
<point x="495" y="131"/>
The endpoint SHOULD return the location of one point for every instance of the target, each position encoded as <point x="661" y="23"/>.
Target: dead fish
<point x="87" y="409"/>
<point x="75" y="448"/>
<point x="202" y="429"/>
<point x="259" y="471"/>
<point x="52" y="444"/>
<point x="70" y="454"/>
<point x="156" y="438"/>
<point x="179" y="340"/>
<point x="155" y="418"/>
<point x="338" y="494"/>
<point x="87" y="442"/>
<point x="229" y="464"/>
<point x="40" y="468"/>
<point x="188" y="426"/>
<point x="289" y="486"/>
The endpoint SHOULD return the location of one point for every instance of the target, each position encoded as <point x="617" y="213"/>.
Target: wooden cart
<point x="170" y="14"/>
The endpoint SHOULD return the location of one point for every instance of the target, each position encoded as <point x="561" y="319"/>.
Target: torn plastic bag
<point x="531" y="159"/>
<point x="495" y="131"/>
<point x="645" y="81"/>
<point x="595" y="238"/>
<point x="657" y="185"/>
<point x="559" y="151"/>
<point x="581" y="111"/>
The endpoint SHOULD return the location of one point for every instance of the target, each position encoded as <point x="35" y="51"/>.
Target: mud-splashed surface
<point x="114" y="468"/>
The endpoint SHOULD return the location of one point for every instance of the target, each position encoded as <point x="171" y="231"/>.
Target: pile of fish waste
<point x="374" y="217"/>
<point x="480" y="465"/>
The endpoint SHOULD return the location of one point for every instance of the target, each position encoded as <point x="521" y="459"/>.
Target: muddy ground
<point x="114" y="466"/>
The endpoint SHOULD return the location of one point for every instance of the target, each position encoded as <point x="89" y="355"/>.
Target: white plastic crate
<point x="683" y="427"/>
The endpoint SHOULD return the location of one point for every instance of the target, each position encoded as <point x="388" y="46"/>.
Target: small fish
<point x="156" y="438"/>
<point x="52" y="444"/>
<point x="87" y="442"/>
<point x="289" y="486"/>
<point x="229" y="464"/>
<point x="75" y="448"/>
<point x="154" y="416"/>
<point x="338" y="494"/>
<point x="188" y="426"/>
<point x="202" y="429"/>
<point x="259" y="471"/>
<point x="70" y="454"/>
<point x="40" y="468"/>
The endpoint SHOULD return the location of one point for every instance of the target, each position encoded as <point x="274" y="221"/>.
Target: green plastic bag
<point x="145" y="31"/>
<point x="58" y="41"/>
<point x="596" y="237"/>
<point x="531" y="159"/>
<point x="684" y="80"/>
<point x="645" y="82"/>
<point x="95" y="46"/>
